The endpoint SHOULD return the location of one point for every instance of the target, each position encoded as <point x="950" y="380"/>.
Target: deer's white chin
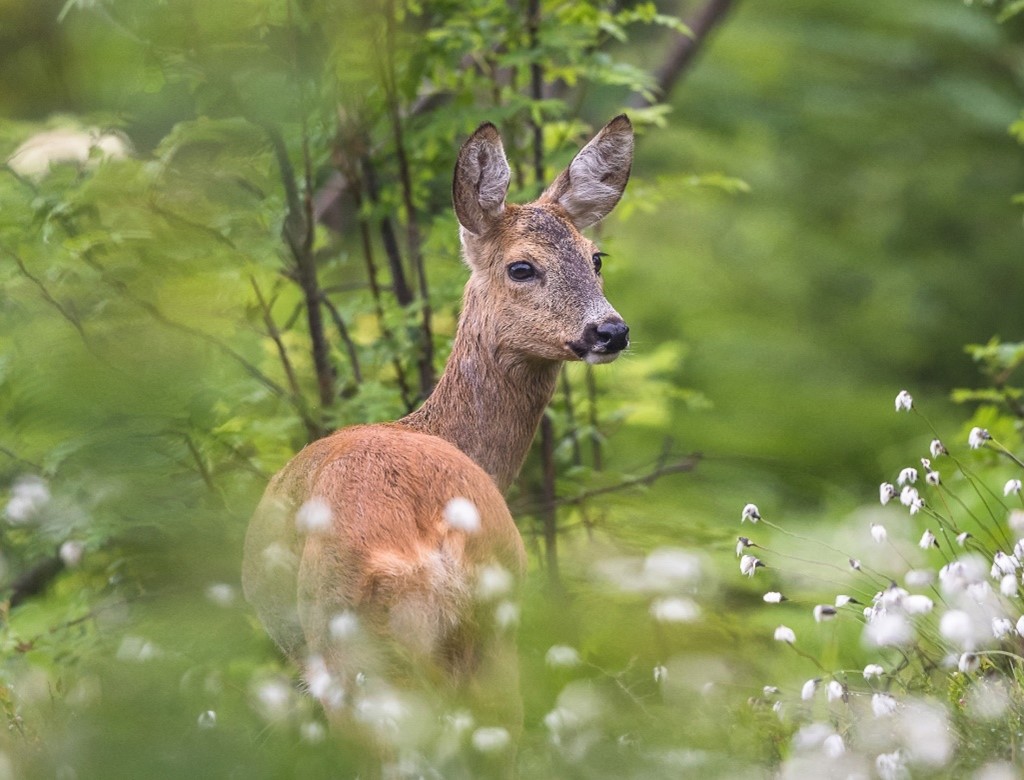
<point x="597" y="358"/>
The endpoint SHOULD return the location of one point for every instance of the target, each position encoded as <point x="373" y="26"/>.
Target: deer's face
<point x="540" y="280"/>
<point x="536" y="286"/>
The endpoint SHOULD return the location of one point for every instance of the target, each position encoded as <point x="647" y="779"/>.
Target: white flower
<point x="1008" y="585"/>
<point x="917" y="504"/>
<point x="832" y="746"/>
<point x="28" y="495"/>
<point x="770" y="690"/>
<point x="808" y="689"/>
<point x="462" y="515"/>
<point x="908" y="495"/>
<point x="823" y="612"/>
<point x="1003" y="564"/>
<point x="1001" y="627"/>
<point x="968" y="663"/>
<point x="937" y="448"/>
<point x="785" y="634"/>
<point x="978" y="437"/>
<point x="888" y="630"/>
<point x="891" y="766"/>
<point x="772" y="597"/>
<point x="907" y="476"/>
<point x="873" y="670"/>
<point x="491" y="739"/>
<point x="71" y="553"/>
<point x="957" y="627"/>
<point x="751" y="513"/>
<point x="506" y="614"/>
<point x="562" y="656"/>
<point x="313" y="517"/>
<point x="221" y="594"/>
<point x="1011" y="486"/>
<point x="749" y="564"/>
<point x="904" y="401"/>
<point x="493" y="581"/>
<point x="962" y="538"/>
<point x="918" y="578"/>
<point x="883" y="704"/>
<point x="313" y="732"/>
<point x="207" y="720"/>
<point x="927" y="540"/>
<point x="343" y="626"/>
<point x="933" y="478"/>
<point x="886" y="492"/>
<point x="660" y="673"/>
<point x="926" y="464"/>
<point x="842" y="600"/>
<point x="835" y="691"/>
<point x="1016" y="521"/>
<point x="674" y="610"/>
<point x="878" y="532"/>
<point x="855" y="564"/>
<point x="1020" y="625"/>
<point x="742" y="543"/>
<point x="918" y="604"/>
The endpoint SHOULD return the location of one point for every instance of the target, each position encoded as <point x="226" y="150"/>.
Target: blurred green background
<point x="823" y="217"/>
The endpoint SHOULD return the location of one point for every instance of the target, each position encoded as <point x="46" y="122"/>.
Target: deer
<point x="359" y="529"/>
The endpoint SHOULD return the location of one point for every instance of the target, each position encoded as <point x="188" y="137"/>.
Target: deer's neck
<point x="488" y="402"/>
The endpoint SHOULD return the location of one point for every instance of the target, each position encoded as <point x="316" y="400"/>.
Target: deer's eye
<point x="521" y="272"/>
<point x="597" y="262"/>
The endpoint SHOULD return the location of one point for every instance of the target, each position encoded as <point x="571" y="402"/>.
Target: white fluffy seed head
<point x="808" y="689"/>
<point x="878" y="532"/>
<point x="772" y="597"/>
<point x="835" y="691"/>
<point x="314" y="517"/>
<point x="957" y="627"/>
<point x="493" y="581"/>
<point x="675" y="610"/>
<point x="872" y="671"/>
<point x="562" y="657"/>
<point x="491" y="739"/>
<point x="882" y="704"/>
<point x="785" y="634"/>
<point x="344" y="626"/>
<point x="904" y="401"/>
<point x="462" y="515"/>
<point x="751" y="513"/>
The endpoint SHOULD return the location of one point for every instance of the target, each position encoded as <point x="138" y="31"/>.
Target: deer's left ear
<point x="593" y="183"/>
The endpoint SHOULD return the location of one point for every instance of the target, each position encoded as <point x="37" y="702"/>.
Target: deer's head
<point x="536" y="286"/>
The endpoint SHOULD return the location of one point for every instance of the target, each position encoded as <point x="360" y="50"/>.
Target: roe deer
<point x="355" y="528"/>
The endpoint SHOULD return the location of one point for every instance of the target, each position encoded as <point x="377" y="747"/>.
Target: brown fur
<point x="388" y="555"/>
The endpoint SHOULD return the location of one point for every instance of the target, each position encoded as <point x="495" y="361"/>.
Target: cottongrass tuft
<point x="785" y="634"/>
<point x="462" y="515"/>
<point x="904" y="401"/>
<point x="772" y="597"/>
<point x="221" y="593"/>
<point x="562" y="657"/>
<point x="883" y="704"/>
<point x="207" y="719"/>
<point x="1012" y="486"/>
<point x="750" y="512"/>
<point x="675" y="610"/>
<point x="29" y="495"/>
<point x="749" y="565"/>
<point x="809" y="688"/>
<point x="491" y="739"/>
<point x="872" y="671"/>
<point x="977" y="438"/>
<point x="314" y="517"/>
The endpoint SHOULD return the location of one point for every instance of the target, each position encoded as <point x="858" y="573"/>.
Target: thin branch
<point x="387" y="235"/>
<point x="682" y="466"/>
<point x="70" y="316"/>
<point x="682" y="52"/>
<point x="346" y="338"/>
<point x="275" y="335"/>
<point x="298" y="234"/>
<point x="413" y="247"/>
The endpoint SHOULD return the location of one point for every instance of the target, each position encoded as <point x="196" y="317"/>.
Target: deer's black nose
<point x="613" y="335"/>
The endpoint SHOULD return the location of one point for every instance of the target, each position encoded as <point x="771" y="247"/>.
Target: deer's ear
<point x="593" y="183"/>
<point x="481" y="180"/>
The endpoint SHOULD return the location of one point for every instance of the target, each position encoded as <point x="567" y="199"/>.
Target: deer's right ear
<point x="481" y="180"/>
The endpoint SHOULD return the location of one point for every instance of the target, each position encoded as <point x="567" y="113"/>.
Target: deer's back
<point x="356" y="521"/>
